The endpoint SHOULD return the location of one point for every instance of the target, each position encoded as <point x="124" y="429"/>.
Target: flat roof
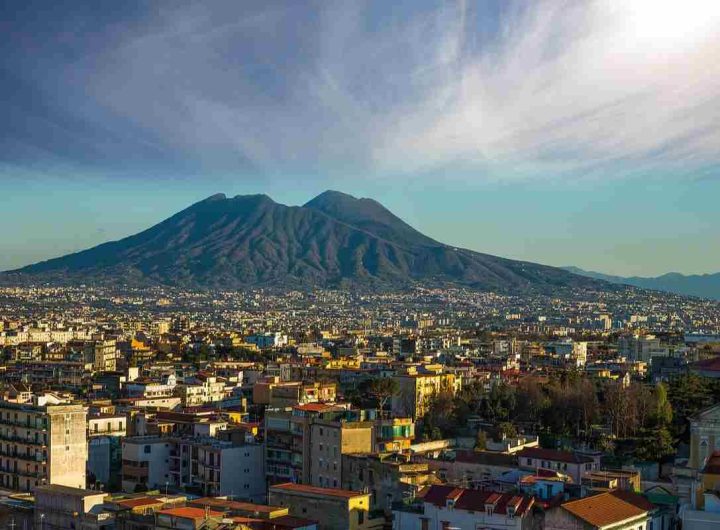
<point x="67" y="490"/>
<point x="315" y="490"/>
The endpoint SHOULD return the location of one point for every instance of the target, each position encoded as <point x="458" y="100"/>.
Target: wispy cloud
<point x="606" y="87"/>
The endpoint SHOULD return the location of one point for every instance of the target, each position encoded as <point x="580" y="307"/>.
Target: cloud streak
<point x="499" y="89"/>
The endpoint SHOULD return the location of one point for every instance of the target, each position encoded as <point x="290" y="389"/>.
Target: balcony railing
<point x="21" y="439"/>
<point x="24" y="425"/>
<point x="26" y="457"/>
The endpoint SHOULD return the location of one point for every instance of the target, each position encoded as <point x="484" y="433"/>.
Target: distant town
<point x="130" y="408"/>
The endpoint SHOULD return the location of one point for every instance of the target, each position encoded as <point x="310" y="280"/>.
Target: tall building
<point x="42" y="441"/>
<point x="418" y="386"/>
<point x="102" y="354"/>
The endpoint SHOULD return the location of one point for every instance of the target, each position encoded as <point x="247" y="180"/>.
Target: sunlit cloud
<point x="500" y="89"/>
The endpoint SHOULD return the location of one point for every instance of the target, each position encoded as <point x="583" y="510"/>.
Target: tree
<point x="688" y="395"/>
<point x="507" y="430"/>
<point x="481" y="440"/>
<point x="663" y="413"/>
<point x="440" y="415"/>
<point x="655" y="444"/>
<point x="382" y="389"/>
<point x="500" y="402"/>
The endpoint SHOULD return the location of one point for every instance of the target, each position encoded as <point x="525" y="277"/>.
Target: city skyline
<point x="566" y="134"/>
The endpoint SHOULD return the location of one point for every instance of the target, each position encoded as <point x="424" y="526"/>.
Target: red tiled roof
<point x="603" y="509"/>
<point x="143" y="501"/>
<point x="314" y="490"/>
<point x="235" y="505"/>
<point x="475" y="500"/>
<point x="187" y="512"/>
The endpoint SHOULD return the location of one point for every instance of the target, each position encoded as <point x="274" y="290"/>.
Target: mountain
<point x="335" y="239"/>
<point x="700" y="285"/>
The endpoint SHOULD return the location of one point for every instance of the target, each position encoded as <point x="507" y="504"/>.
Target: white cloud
<point x="582" y="87"/>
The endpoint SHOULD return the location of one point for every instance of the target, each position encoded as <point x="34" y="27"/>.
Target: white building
<point x="446" y="507"/>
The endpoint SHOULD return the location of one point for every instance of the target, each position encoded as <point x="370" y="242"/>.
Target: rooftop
<point x="476" y="500"/>
<point x="555" y="456"/>
<point x="603" y="509"/>
<point x="314" y="490"/>
<point x="187" y="512"/>
<point x="67" y="490"/>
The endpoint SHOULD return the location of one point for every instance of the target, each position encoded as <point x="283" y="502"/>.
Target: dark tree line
<point x="568" y="405"/>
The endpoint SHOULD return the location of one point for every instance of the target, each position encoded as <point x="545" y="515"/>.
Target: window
<point x="147" y="449"/>
<point x="528" y="461"/>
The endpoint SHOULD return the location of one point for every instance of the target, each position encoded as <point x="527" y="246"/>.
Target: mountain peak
<point x="334" y="240"/>
<point x="370" y="216"/>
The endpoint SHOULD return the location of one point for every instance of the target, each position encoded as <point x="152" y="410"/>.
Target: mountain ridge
<point x="698" y="285"/>
<point x="334" y="239"/>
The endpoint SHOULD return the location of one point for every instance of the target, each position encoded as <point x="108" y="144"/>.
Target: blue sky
<point x="579" y="132"/>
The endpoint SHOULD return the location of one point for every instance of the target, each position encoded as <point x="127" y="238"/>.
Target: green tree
<point x="655" y="444"/>
<point x="382" y="389"/>
<point x="507" y="430"/>
<point x="663" y="413"/>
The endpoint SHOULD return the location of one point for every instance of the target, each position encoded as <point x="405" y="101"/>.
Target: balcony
<point x="19" y="456"/>
<point x="20" y="439"/>
<point x="24" y="425"/>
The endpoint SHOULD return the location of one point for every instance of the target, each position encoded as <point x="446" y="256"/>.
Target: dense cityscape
<point x="429" y="408"/>
<point x="360" y="265"/>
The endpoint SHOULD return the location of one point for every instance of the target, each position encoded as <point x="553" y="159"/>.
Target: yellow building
<point x="418" y="386"/>
<point x="332" y="508"/>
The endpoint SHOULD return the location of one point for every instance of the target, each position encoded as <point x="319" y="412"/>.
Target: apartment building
<point x="329" y="440"/>
<point x="571" y="464"/>
<point x="205" y="465"/>
<point x="102" y="354"/>
<point x="105" y="432"/>
<point x="145" y="463"/>
<point x="418" y="386"/>
<point x="42" y="441"/>
<point x="194" y="392"/>
<point x="274" y="392"/>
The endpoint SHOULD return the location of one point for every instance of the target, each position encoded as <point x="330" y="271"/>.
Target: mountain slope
<point x="700" y="285"/>
<point x="335" y="239"/>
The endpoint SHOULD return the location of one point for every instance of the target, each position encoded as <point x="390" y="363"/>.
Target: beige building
<point x="102" y="354"/>
<point x="704" y="440"/>
<point x="278" y="394"/>
<point x="332" y="508"/>
<point x="42" y="441"/>
<point x="329" y="440"/>
<point x="704" y="436"/>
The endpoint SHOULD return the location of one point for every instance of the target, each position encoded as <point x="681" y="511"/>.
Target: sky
<point x="579" y="132"/>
